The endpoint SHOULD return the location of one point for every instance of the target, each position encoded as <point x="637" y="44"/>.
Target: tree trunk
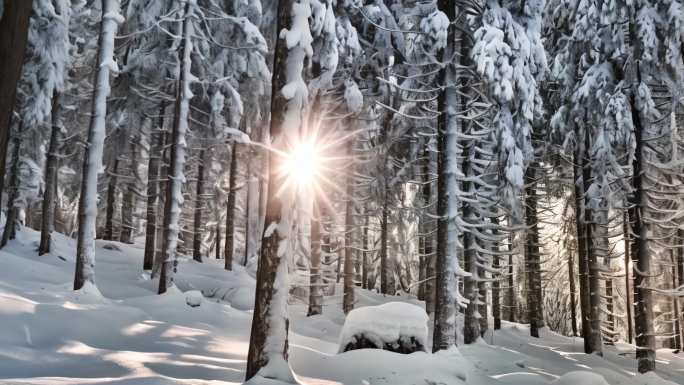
<point x="532" y="258"/>
<point x="573" y="290"/>
<point x="315" y="281"/>
<point x="365" y="253"/>
<point x="230" y="209"/>
<point x="580" y="226"/>
<point x="644" y="321"/>
<point x="348" y="300"/>
<point x="511" y="297"/>
<point x="444" y="335"/>
<point x="51" y="167"/>
<point x="174" y="196"/>
<point x="496" y="285"/>
<point x="92" y="161"/>
<point x="111" y="200"/>
<point x="128" y="200"/>
<point x="628" y="279"/>
<point x="592" y="243"/>
<point x="268" y="344"/>
<point x="471" y="324"/>
<point x="14" y="26"/>
<point x="10" y="230"/>
<point x="153" y="173"/>
<point x="199" y="200"/>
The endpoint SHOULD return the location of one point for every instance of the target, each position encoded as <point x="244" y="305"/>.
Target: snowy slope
<point x="124" y="333"/>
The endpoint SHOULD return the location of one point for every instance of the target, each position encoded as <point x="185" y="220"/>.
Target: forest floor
<point x="123" y="333"/>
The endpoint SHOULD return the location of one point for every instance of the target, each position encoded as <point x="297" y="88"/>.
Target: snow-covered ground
<point x="123" y="333"/>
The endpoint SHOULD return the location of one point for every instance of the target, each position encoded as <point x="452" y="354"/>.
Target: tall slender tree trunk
<point x="230" y="209"/>
<point x="268" y="344"/>
<point x="153" y="172"/>
<point x="511" y="302"/>
<point x="366" y="253"/>
<point x="199" y="203"/>
<point x="444" y="335"/>
<point x="51" y="167"/>
<point x="10" y="229"/>
<point x="496" y="285"/>
<point x="573" y="291"/>
<point x="628" y="279"/>
<point x="676" y="336"/>
<point x="14" y="26"/>
<point x="128" y="200"/>
<point x="111" y="200"/>
<point x="217" y="250"/>
<point x="471" y="324"/>
<point x="348" y="300"/>
<point x="582" y="240"/>
<point x="592" y="244"/>
<point x="315" y="281"/>
<point x="644" y="321"/>
<point x="174" y="196"/>
<point x="92" y="161"/>
<point x="532" y="257"/>
<point x="680" y="281"/>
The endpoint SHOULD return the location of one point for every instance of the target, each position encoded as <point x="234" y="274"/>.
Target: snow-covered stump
<point x="395" y="326"/>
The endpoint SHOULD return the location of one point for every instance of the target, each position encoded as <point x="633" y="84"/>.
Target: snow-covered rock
<point x="193" y="298"/>
<point x="395" y="326"/>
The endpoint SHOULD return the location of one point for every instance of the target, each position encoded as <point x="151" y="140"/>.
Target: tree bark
<point x="10" y="230"/>
<point x="14" y="26"/>
<point x="644" y="321"/>
<point x="628" y="279"/>
<point x="315" y="281"/>
<point x="592" y="240"/>
<point x="153" y="173"/>
<point x="174" y="196"/>
<point x="128" y="200"/>
<point x="51" y="167"/>
<point x="199" y="200"/>
<point x="532" y="257"/>
<point x="111" y="200"/>
<point x="444" y="334"/>
<point x="92" y="161"/>
<point x="348" y="300"/>
<point x="268" y="344"/>
<point x="573" y="290"/>
<point x="230" y="209"/>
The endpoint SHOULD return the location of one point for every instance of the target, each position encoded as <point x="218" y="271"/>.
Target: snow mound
<point x="580" y="377"/>
<point x="193" y="298"/>
<point x="391" y="326"/>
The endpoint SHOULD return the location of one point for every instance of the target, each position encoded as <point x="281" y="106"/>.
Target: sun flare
<point x="302" y="164"/>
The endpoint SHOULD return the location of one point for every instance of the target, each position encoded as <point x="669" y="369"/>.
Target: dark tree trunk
<point x="680" y="281"/>
<point x="51" y="167"/>
<point x="444" y="332"/>
<point x="510" y="293"/>
<point x="199" y="203"/>
<point x="593" y="239"/>
<point x="111" y="200"/>
<point x="532" y="258"/>
<point x="496" y="285"/>
<point x="153" y="190"/>
<point x="582" y="258"/>
<point x="573" y="290"/>
<point x="218" y="240"/>
<point x="628" y="279"/>
<point x="644" y="321"/>
<point x="384" y="263"/>
<point x="315" y="281"/>
<point x="14" y="27"/>
<point x="230" y="209"/>
<point x="366" y="252"/>
<point x="348" y="300"/>
<point x="172" y="204"/>
<point x="270" y="323"/>
<point x="10" y="230"/>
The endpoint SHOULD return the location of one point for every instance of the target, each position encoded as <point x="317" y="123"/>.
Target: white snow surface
<point x="119" y="331"/>
<point x="386" y="324"/>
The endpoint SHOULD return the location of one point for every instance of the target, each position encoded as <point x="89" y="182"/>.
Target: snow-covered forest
<point x="357" y="192"/>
